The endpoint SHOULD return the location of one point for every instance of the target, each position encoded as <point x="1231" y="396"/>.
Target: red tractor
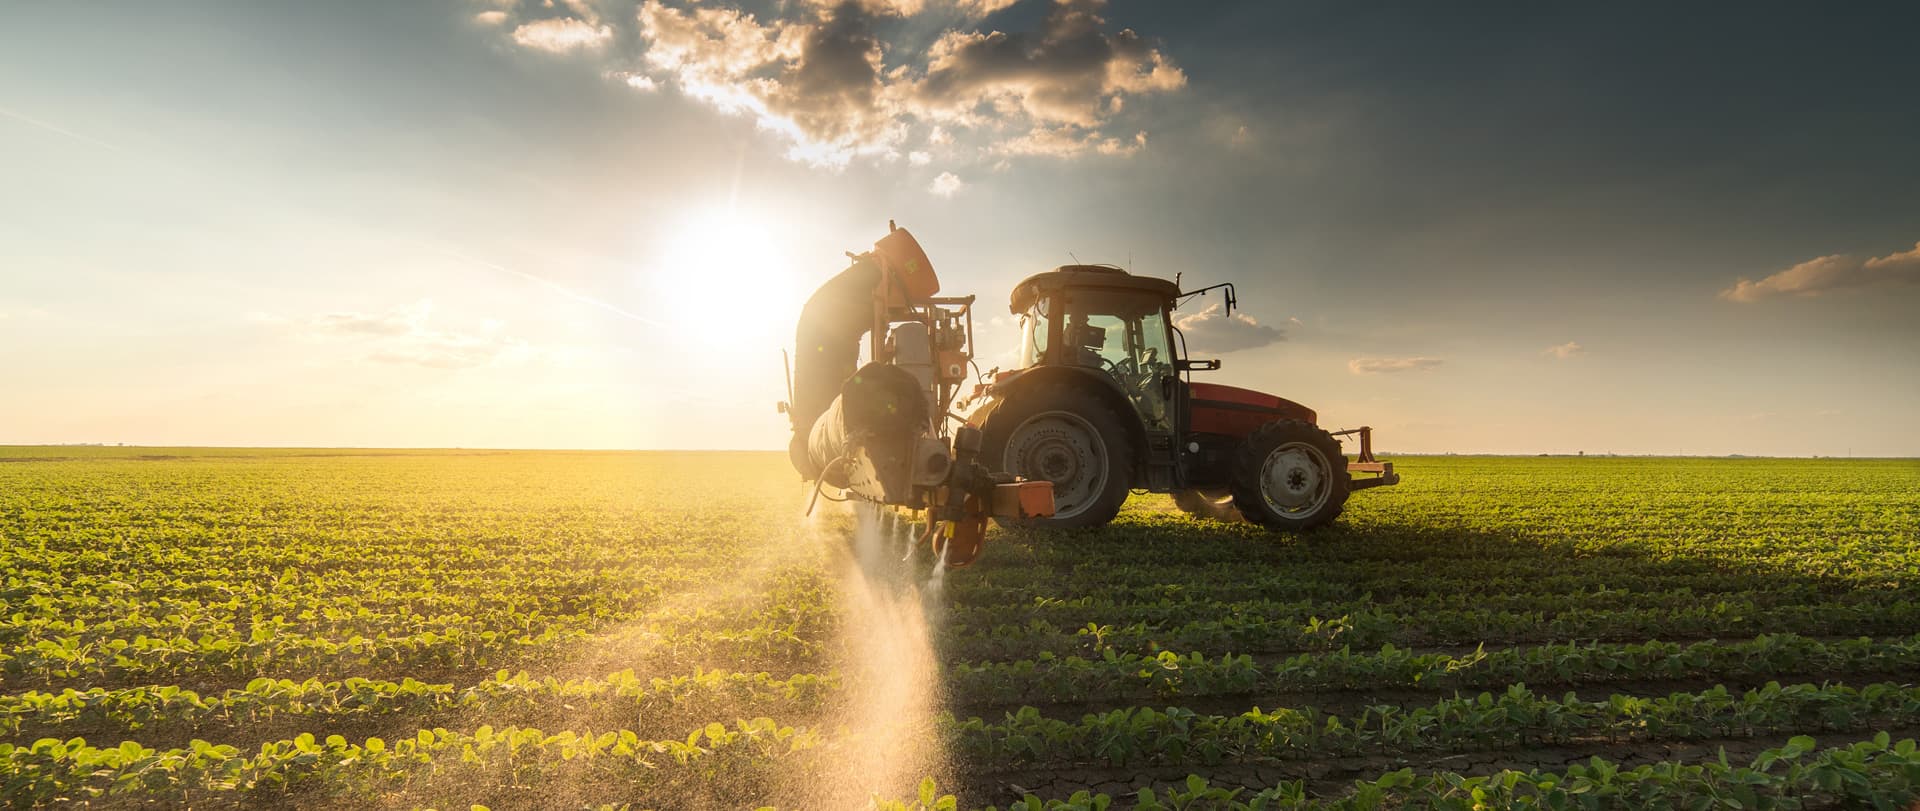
<point x="1099" y="407"/>
<point x="1102" y="404"/>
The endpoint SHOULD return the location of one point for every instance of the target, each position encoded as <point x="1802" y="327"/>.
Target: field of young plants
<point x="372" y="629"/>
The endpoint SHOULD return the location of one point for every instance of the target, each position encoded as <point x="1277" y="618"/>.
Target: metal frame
<point x="1232" y="295"/>
<point x="1365" y="463"/>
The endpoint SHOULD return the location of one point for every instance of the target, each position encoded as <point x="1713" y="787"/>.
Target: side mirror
<point x="1189" y="365"/>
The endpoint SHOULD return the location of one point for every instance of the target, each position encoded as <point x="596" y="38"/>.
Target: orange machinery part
<point x="902" y="257"/>
<point x="962" y="543"/>
<point x="1023" y="499"/>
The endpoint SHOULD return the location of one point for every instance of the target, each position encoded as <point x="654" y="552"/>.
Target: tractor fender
<point x="1009" y="385"/>
<point x="1237" y="412"/>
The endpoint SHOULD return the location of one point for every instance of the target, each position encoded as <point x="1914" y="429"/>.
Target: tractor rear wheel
<point x="1290" y="475"/>
<point x="1069" y="436"/>
<point x="1212" y="505"/>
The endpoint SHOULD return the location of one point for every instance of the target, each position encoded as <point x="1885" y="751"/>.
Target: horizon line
<point x="1521" y="455"/>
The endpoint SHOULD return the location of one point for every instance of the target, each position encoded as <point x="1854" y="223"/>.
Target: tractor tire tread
<point x="1109" y="423"/>
<point x="1253" y="453"/>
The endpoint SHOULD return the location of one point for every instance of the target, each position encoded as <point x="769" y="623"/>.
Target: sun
<point x="725" y="278"/>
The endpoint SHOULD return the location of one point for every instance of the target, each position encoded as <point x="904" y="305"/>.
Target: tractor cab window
<point x="1033" y="333"/>
<point x="1125" y="334"/>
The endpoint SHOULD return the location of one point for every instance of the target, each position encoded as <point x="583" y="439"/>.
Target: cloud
<point x="1212" y="330"/>
<point x="841" y="79"/>
<point x="982" y="8"/>
<point x="561" y="34"/>
<point x="1827" y="273"/>
<point x="946" y="185"/>
<point x="817" y="85"/>
<point x="397" y="322"/>
<point x="1069" y="72"/>
<point x="494" y="17"/>
<point x="1566" y="350"/>
<point x="638" y="81"/>
<point x="402" y="335"/>
<point x="1381" y="366"/>
<point x="889" y="8"/>
<point x="1068" y="141"/>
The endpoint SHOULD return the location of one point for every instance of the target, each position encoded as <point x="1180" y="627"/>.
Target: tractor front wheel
<point x="1066" y="435"/>
<point x="1290" y="475"/>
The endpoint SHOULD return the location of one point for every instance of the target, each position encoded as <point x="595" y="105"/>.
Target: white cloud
<point x="1566" y="350"/>
<point x="1827" y="273"/>
<point x="494" y="17"/>
<point x="919" y="158"/>
<point x="982" y="8"/>
<point x="1212" y="330"/>
<point x="637" y="81"/>
<point x="1379" y="366"/>
<point x="403" y="335"/>
<point x="1069" y="141"/>
<point x="561" y="34"/>
<point x="946" y="185"/>
<point x="400" y="321"/>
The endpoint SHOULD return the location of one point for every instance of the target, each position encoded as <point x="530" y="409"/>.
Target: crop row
<point x="715" y="757"/>
<point x="1211" y="583"/>
<point x="712" y="693"/>
<point x="781" y="619"/>
<point x="1365" y="563"/>
<point x="1876" y="773"/>
<point x="1515" y="718"/>
<point x="1074" y="612"/>
<point x="1371" y="628"/>
<point x="1130" y="676"/>
<point x="284" y="609"/>
<point x="142" y="657"/>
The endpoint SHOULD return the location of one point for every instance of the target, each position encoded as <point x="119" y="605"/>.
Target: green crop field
<point x="664" y="630"/>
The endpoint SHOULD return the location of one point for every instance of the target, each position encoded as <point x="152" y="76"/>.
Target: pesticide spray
<point x="891" y="673"/>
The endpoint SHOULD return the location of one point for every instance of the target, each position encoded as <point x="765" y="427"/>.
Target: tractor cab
<point x="1099" y="406"/>
<point x="1105" y="319"/>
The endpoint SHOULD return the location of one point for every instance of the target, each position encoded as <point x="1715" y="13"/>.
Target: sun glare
<point x="727" y="280"/>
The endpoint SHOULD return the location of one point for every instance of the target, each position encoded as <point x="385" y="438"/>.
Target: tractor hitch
<point x="1365" y="463"/>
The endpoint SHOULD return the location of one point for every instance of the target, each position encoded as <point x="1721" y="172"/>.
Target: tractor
<point x="1102" y="403"/>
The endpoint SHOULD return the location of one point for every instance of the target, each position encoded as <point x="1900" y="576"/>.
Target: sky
<point x="1510" y="228"/>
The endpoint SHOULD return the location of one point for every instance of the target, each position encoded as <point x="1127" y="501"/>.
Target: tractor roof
<point x="1087" y="276"/>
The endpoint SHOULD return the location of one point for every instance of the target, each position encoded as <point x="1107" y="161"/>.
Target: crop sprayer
<point x="1101" y="404"/>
